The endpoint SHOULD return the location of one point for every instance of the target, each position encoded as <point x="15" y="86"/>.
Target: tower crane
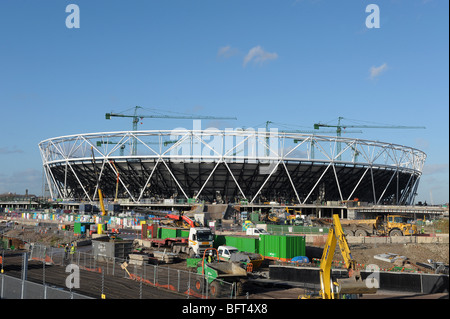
<point x="340" y="126"/>
<point x="136" y="117"/>
<point x="306" y="132"/>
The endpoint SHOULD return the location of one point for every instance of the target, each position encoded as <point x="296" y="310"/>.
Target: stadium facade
<point x="230" y="165"/>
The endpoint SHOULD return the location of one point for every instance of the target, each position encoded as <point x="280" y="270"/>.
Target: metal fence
<point x="15" y="288"/>
<point x="297" y="230"/>
<point x="178" y="281"/>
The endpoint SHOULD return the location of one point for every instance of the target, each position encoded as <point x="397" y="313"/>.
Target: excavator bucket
<point x="353" y="285"/>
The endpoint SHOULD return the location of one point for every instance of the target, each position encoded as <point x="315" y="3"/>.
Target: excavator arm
<point x="343" y="244"/>
<point x="326" y="284"/>
<point x="352" y="285"/>
<point x="182" y="217"/>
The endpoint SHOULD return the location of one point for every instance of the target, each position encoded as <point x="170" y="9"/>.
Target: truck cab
<point x="200" y="238"/>
<point x="398" y="226"/>
<point x="225" y="252"/>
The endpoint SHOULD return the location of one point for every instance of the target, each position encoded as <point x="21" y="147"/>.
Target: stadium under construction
<point x="257" y="168"/>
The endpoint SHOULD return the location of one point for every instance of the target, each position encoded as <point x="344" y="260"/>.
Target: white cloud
<point x="422" y="143"/>
<point x="377" y="71"/>
<point x="227" y="51"/>
<point x="430" y="169"/>
<point x="258" y="56"/>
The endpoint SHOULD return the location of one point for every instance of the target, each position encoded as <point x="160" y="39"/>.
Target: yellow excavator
<point x="353" y="285"/>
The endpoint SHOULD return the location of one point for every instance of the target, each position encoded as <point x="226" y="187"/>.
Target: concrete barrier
<point x="393" y="281"/>
<point x="438" y="239"/>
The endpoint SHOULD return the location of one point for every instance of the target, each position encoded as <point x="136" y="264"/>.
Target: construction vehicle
<point x="177" y="220"/>
<point x="218" y="276"/>
<point x="252" y="231"/>
<point x="293" y="212"/>
<point x="272" y="218"/>
<point x="294" y="220"/>
<point x="183" y="221"/>
<point x="199" y="239"/>
<point x="251" y="261"/>
<point x="392" y="225"/>
<point x="333" y="289"/>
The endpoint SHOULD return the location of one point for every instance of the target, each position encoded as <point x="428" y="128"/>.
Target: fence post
<point x="43" y="271"/>
<point x="24" y="273"/>
<point x="421" y="283"/>
<point x="140" y="283"/>
<point x="103" y="283"/>
<point x="189" y="285"/>
<point x="144" y="266"/>
<point x="206" y="286"/>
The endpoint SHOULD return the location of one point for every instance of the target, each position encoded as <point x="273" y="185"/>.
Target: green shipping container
<point x="282" y="247"/>
<point x="248" y="244"/>
<point x="79" y="229"/>
<point x="170" y="232"/>
<point x="219" y="240"/>
<point x="167" y="232"/>
<point x="184" y="233"/>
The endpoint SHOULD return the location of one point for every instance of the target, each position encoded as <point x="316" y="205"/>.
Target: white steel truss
<point x="257" y="162"/>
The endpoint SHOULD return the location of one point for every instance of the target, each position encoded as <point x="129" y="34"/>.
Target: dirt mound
<point x="364" y="253"/>
<point x="31" y="236"/>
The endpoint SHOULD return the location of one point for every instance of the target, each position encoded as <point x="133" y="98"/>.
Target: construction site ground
<point x="123" y="288"/>
<point x="364" y="253"/>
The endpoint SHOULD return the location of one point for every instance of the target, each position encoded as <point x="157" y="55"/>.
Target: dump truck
<point x="219" y="276"/>
<point x="392" y="225"/>
<point x="251" y="261"/>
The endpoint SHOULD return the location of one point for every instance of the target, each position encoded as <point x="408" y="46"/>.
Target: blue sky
<point x="291" y="62"/>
